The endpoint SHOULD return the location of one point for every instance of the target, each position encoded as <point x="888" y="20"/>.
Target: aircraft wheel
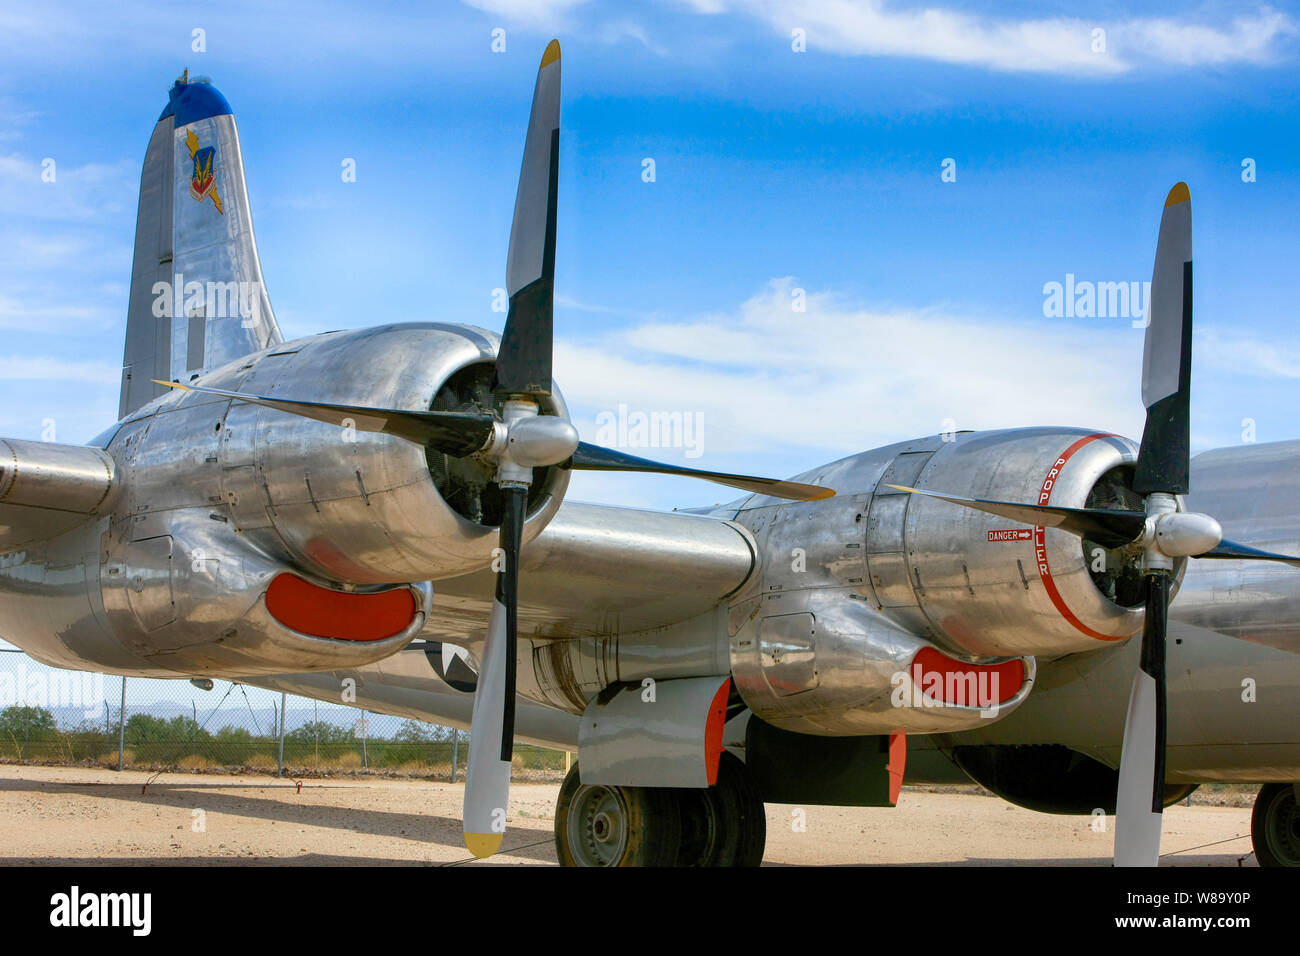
<point x="1275" y="826"/>
<point x="599" y="825"/>
<point x="722" y="825"/>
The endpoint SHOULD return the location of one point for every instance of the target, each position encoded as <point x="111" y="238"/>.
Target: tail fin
<point x="197" y="296"/>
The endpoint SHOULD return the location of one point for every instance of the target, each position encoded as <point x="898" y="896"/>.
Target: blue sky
<point x="775" y="171"/>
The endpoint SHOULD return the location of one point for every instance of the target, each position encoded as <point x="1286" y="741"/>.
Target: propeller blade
<point x="492" y="722"/>
<point x="524" y="360"/>
<point x="595" y="458"/>
<point x="1163" y="459"/>
<point x="1110" y="529"/>
<point x="1140" y="801"/>
<point x="1231" y="549"/>
<point x="453" y="433"/>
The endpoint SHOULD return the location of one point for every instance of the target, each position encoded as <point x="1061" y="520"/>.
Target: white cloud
<point x="1249" y="39"/>
<point x="1050" y="45"/>
<point x="88" y="193"/>
<point x="45" y="368"/>
<point x="59" y="314"/>
<point x="540" y="13"/>
<point x="57" y="281"/>
<point x="616" y="31"/>
<point x="837" y="379"/>
<point x="14" y="118"/>
<point x="1249" y="356"/>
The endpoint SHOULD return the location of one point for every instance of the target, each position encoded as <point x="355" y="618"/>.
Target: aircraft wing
<point x="47" y="489"/>
<point x="598" y="570"/>
<point x="411" y="683"/>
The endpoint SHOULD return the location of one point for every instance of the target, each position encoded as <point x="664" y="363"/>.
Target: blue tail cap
<point x="190" y="102"/>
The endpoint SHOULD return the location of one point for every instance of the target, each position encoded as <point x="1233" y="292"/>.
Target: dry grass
<point x="416" y="768"/>
<point x="1224" y="795"/>
<point x="196" y="762"/>
<point x="110" y="759"/>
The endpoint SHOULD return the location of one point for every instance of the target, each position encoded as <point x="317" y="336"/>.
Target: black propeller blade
<point x="1163" y="466"/>
<point x="595" y="458"/>
<point x="452" y="433"/>
<point x="1240" y="552"/>
<point x="511" y="542"/>
<point x="524" y="358"/>
<point x="1164" y="458"/>
<point x="523" y="378"/>
<point x="1110" y="529"/>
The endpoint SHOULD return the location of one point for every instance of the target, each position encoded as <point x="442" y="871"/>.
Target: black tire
<point x="1275" y="826"/>
<point x="723" y="825"/>
<point x="615" y="826"/>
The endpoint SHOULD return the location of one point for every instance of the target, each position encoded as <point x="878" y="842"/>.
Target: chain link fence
<point x="52" y="716"/>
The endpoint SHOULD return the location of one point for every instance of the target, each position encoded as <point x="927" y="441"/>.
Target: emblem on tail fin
<point x="203" y="179"/>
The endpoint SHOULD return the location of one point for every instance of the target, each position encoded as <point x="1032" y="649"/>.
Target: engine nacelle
<point x="876" y="591"/>
<point x="183" y="591"/>
<point x="822" y="661"/>
<point x="992" y="587"/>
<point x="350" y="506"/>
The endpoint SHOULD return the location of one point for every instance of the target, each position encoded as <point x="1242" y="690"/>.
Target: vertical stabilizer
<point x="197" y="295"/>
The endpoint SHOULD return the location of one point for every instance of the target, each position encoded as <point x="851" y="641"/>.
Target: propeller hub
<point x="1183" y="534"/>
<point x="1160" y="506"/>
<point x="541" y="440"/>
<point x="525" y="440"/>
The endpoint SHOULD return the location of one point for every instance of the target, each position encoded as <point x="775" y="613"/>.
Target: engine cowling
<point x="245" y="540"/>
<point x="991" y="587"/>
<point x="362" y="507"/>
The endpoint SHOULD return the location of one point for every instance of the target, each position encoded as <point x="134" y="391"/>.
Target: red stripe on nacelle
<point x="1040" y="543"/>
<point x="320" y="612"/>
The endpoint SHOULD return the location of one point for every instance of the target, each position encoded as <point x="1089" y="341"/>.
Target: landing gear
<point x="1275" y="825"/>
<point x="615" y="826"/>
<point x="723" y="825"/>
<point x="600" y="825"/>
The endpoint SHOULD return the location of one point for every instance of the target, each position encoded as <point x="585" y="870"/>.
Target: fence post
<point x="27" y="734"/>
<point x="121" y="728"/>
<point x="455" y="751"/>
<point x="365" y="732"/>
<point x="279" y="765"/>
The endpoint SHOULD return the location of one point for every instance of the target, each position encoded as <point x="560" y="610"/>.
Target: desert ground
<point x="89" y="816"/>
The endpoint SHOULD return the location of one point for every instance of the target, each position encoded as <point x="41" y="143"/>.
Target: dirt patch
<point x="86" y="815"/>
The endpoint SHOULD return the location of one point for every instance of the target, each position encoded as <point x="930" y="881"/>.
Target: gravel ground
<point x="82" y="815"/>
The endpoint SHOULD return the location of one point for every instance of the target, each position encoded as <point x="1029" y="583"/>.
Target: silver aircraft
<point x="385" y="508"/>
